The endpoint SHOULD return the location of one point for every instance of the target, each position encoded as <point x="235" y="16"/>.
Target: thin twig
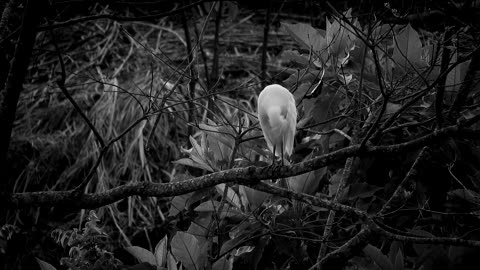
<point x="385" y="97"/>
<point x="266" y="30"/>
<point x="61" y="85"/>
<point x="193" y="74"/>
<point x="346" y="251"/>
<point x="347" y="171"/>
<point x="424" y="154"/>
<point x="118" y="18"/>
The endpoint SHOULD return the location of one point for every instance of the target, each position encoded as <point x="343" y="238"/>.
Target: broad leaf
<point x="399" y="261"/>
<point x="171" y="262"/>
<point x="421" y="248"/>
<point x="219" y="143"/>
<point x="340" y="38"/>
<point x="322" y="107"/>
<point x="178" y="204"/>
<point x="232" y="196"/>
<point x="202" y="227"/>
<point x="208" y="206"/>
<point x="141" y="254"/>
<point x="377" y="256"/>
<point x="467" y="195"/>
<point x="161" y="252"/>
<point x="192" y="163"/>
<point x="307" y="36"/>
<point x="307" y="182"/>
<point x="407" y="49"/>
<point x="197" y="155"/>
<point x="245" y="249"/>
<point x="223" y="263"/>
<point x="455" y="78"/>
<point x="334" y="183"/>
<point x="186" y="248"/>
<point x="381" y="32"/>
<point x="395" y="246"/>
<point x="295" y="56"/>
<point x="255" y="197"/>
<point x="360" y="190"/>
<point x="44" y="265"/>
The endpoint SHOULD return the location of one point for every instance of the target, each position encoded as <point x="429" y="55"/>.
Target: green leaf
<point x="307" y="36"/>
<point x="171" y="262"/>
<point x="232" y="196"/>
<point x="392" y="108"/>
<point x="141" y="254"/>
<point x="179" y="203"/>
<point x="257" y="253"/>
<point x="223" y="264"/>
<point x="395" y="246"/>
<point x="213" y="206"/>
<point x="161" y="252"/>
<point x="360" y="190"/>
<point x="219" y="141"/>
<point x="465" y="195"/>
<point x="421" y="248"/>
<point x="208" y="206"/>
<point x="407" y="49"/>
<point x="399" y="262"/>
<point x="202" y="226"/>
<point x="381" y="32"/>
<point x="197" y="156"/>
<point x="186" y="248"/>
<point x="295" y="56"/>
<point x="323" y="107"/>
<point x="334" y="183"/>
<point x="44" y="265"/>
<point x="255" y="197"/>
<point x="341" y="38"/>
<point x="377" y="256"/>
<point x="245" y="249"/>
<point x="192" y="163"/>
<point x="455" y="78"/>
<point x="308" y="182"/>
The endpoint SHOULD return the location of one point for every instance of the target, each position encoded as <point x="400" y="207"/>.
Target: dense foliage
<point x="152" y="122"/>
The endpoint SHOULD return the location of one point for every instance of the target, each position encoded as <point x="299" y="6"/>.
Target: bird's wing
<point x="265" y="125"/>
<point x="289" y="137"/>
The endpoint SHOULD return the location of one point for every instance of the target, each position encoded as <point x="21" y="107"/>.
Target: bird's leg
<point x="282" y="155"/>
<point x="273" y="155"/>
<point x="283" y="181"/>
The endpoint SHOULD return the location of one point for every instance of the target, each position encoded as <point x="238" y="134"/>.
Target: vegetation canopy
<point x="130" y="136"/>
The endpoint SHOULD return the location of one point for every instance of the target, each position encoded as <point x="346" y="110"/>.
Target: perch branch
<point x="246" y="175"/>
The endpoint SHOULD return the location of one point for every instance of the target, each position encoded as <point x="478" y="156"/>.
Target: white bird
<point x="278" y="118"/>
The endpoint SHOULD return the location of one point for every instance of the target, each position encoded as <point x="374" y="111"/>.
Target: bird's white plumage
<point x="278" y="118"/>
